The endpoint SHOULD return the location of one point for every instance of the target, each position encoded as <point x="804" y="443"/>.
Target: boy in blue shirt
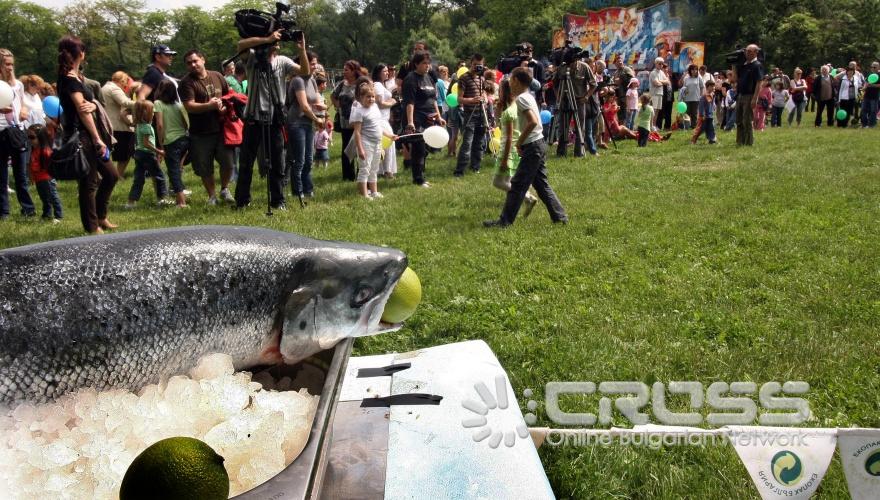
<point x="706" y="114"/>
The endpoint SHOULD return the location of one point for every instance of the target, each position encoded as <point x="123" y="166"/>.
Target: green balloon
<point x="833" y="72"/>
<point x="452" y="100"/>
<point x="872" y="79"/>
<point x="681" y="107"/>
<point x="841" y="114"/>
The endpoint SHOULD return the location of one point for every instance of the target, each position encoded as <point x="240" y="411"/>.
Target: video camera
<point x="519" y="55"/>
<point x="738" y="56"/>
<point x="567" y="54"/>
<point x="255" y="23"/>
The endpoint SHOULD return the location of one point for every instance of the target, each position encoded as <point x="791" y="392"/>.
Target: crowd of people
<point x="269" y="109"/>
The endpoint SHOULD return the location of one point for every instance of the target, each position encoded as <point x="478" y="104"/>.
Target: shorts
<point x="657" y="102"/>
<point x="322" y="155"/>
<point x="123" y="150"/>
<point x="205" y="149"/>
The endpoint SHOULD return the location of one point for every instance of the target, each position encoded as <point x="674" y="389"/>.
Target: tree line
<point x="118" y="34"/>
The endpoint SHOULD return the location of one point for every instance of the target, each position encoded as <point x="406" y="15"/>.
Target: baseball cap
<point x="163" y="49"/>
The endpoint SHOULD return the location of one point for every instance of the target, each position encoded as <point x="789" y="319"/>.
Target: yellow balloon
<point x="454" y="89"/>
<point x="497" y="133"/>
<point x="495" y="145"/>
<point x="386" y="142"/>
<point x="462" y="70"/>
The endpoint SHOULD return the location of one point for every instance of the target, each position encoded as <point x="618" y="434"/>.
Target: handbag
<point x="68" y="162"/>
<point x="17" y="137"/>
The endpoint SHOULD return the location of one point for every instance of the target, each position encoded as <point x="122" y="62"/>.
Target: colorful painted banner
<point x="626" y="35"/>
<point x="687" y="53"/>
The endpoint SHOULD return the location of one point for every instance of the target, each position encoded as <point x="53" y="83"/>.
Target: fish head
<point x="340" y="293"/>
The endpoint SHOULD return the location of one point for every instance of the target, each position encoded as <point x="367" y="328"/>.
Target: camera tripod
<point x="264" y="76"/>
<point x="568" y="109"/>
<point x="484" y="140"/>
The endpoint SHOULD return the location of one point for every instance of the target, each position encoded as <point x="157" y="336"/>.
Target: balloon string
<point x="409" y="135"/>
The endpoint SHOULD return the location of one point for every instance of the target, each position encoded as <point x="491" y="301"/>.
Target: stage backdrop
<point x="627" y="35"/>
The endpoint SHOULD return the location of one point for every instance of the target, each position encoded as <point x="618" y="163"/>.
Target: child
<point x="779" y="97"/>
<point x="729" y="105"/>
<point x="764" y="97"/>
<point x="531" y="170"/>
<point x="172" y="124"/>
<point x="368" y="131"/>
<point x="41" y="150"/>
<point x="146" y="156"/>
<point x="632" y="103"/>
<point x="506" y="162"/>
<point x="644" y="119"/>
<point x="706" y="115"/>
<point x="323" y="141"/>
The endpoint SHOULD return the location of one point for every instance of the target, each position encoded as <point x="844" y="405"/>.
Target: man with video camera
<point x="574" y="76"/>
<point x="521" y="57"/>
<point x="474" y="120"/>
<point x="264" y="117"/>
<point x="749" y="73"/>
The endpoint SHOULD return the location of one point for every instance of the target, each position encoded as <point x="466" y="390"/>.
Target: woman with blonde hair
<point x="119" y="106"/>
<point x="32" y="99"/>
<point x="13" y="141"/>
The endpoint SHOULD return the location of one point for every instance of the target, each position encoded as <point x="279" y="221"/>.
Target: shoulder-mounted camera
<point x="255" y="23"/>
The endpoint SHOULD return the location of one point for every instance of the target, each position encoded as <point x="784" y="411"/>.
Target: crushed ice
<point x="81" y="445"/>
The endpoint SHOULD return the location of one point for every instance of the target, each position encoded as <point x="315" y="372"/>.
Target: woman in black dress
<point x="94" y="190"/>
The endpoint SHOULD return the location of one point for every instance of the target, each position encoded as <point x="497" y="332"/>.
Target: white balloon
<point x="436" y="136"/>
<point x="6" y="94"/>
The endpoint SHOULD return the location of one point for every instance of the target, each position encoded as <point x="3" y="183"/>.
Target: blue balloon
<point x="546" y="117"/>
<point x="51" y="106"/>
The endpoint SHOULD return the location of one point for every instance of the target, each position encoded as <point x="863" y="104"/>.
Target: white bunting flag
<point x="860" y="454"/>
<point x="784" y="462"/>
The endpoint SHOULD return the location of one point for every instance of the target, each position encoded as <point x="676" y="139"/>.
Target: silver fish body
<point x="129" y="309"/>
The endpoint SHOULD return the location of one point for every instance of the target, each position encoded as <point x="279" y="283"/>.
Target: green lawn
<point x="679" y="263"/>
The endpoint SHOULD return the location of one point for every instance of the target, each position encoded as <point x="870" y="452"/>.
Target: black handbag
<point x="17" y="137"/>
<point x="68" y="162"/>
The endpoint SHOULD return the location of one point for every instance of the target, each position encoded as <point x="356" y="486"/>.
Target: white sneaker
<point x="212" y="201"/>
<point x="187" y="192"/>
<point x="164" y="202"/>
<point x="226" y="196"/>
<point x="425" y="184"/>
<point x="377" y="195"/>
<point x="130" y="205"/>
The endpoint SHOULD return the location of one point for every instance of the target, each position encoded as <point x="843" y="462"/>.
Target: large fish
<point x="128" y="309"/>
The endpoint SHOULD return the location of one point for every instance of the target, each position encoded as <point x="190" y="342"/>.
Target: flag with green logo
<point x="784" y="462"/>
<point x="860" y="454"/>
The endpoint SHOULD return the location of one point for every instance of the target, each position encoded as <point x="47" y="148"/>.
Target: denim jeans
<point x="869" y="112"/>
<point x="250" y="148"/>
<point x="145" y="161"/>
<point x="776" y="117"/>
<point x="589" y="134"/>
<point x="798" y="111"/>
<point x="631" y="118"/>
<point x="18" y="159"/>
<point x="473" y="134"/>
<point x="300" y="151"/>
<point x="531" y="172"/>
<point x="49" y="197"/>
<point x="173" y="156"/>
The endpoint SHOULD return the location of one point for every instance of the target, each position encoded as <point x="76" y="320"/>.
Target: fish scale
<point x="128" y="309"/>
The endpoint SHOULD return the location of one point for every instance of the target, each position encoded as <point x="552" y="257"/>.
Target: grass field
<point x="705" y="263"/>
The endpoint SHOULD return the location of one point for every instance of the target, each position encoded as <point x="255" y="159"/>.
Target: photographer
<point x="586" y="106"/>
<point x="474" y="124"/>
<point x="521" y="57"/>
<point x="264" y="114"/>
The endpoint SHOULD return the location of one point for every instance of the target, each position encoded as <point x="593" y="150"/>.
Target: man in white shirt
<point x="658" y="80"/>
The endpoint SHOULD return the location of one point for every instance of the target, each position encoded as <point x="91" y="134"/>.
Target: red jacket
<point x="233" y="126"/>
<point x="40" y="165"/>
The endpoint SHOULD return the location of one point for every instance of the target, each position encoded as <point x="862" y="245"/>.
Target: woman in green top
<point x="146" y="156"/>
<point x="172" y="124"/>
<point x="508" y="160"/>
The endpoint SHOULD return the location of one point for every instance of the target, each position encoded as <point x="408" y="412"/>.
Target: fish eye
<point x="361" y="296"/>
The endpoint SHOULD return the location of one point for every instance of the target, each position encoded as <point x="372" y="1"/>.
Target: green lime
<point x="176" y="468"/>
<point x="404" y="299"/>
